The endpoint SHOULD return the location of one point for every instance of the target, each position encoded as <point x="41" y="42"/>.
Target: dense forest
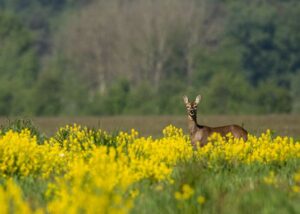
<point x="99" y="57"/>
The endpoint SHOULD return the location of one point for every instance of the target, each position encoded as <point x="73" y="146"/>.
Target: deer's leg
<point x="194" y="145"/>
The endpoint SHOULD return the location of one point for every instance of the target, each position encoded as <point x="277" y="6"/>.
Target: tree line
<point x="98" y="57"/>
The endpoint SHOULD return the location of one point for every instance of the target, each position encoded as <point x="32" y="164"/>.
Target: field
<point x="149" y="167"/>
<point x="287" y="125"/>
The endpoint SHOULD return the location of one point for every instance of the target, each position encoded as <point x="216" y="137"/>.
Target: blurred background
<point x="138" y="57"/>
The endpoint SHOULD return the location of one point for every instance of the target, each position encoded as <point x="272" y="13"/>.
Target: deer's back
<point x="236" y="130"/>
<point x="203" y="132"/>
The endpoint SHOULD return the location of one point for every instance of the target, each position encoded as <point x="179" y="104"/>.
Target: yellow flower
<point x="96" y="170"/>
<point x="271" y="179"/>
<point x="201" y="199"/>
<point x="159" y="187"/>
<point x="186" y="193"/>
<point x="296" y="188"/>
<point x="178" y="196"/>
<point x="134" y="193"/>
<point x="12" y="200"/>
<point x="297" y="177"/>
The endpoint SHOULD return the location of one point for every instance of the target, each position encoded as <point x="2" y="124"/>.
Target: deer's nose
<point x="192" y="112"/>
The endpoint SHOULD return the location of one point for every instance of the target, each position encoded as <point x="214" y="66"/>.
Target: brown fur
<point x="200" y="133"/>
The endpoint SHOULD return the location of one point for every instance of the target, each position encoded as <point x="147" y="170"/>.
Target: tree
<point x="269" y="39"/>
<point x="269" y="34"/>
<point x="48" y="92"/>
<point x="18" y="65"/>
<point x="295" y="92"/>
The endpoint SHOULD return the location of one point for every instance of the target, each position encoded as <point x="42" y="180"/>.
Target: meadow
<point x="282" y="124"/>
<point x="146" y="165"/>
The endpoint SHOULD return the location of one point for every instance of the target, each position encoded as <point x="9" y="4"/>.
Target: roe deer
<point x="200" y="133"/>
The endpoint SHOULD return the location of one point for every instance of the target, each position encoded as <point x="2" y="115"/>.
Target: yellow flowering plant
<point x="92" y="171"/>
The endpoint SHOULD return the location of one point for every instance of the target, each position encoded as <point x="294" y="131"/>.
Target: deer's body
<point x="199" y="133"/>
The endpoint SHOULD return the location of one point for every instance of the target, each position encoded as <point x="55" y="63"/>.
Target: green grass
<point x="229" y="190"/>
<point x="239" y="189"/>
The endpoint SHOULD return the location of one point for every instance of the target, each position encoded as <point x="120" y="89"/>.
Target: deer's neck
<point x="192" y="124"/>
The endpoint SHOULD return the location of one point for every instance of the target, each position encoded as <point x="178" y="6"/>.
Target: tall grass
<point x="242" y="189"/>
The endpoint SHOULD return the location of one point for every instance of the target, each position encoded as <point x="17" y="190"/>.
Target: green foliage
<point x="141" y="100"/>
<point x="18" y="125"/>
<point x="228" y="93"/>
<point x="97" y="137"/>
<point x="18" y="57"/>
<point x="170" y="95"/>
<point x="273" y="99"/>
<point x="48" y="91"/>
<point x="34" y="190"/>
<point x="243" y="57"/>
<point x="295" y="92"/>
<point x="225" y="190"/>
<point x="116" y="100"/>
<point x="18" y="65"/>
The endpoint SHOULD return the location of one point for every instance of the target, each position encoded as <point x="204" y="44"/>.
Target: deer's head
<point x="191" y="107"/>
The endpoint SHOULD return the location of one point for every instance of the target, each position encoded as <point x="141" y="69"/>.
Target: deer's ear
<point x="185" y="99"/>
<point x="198" y="99"/>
